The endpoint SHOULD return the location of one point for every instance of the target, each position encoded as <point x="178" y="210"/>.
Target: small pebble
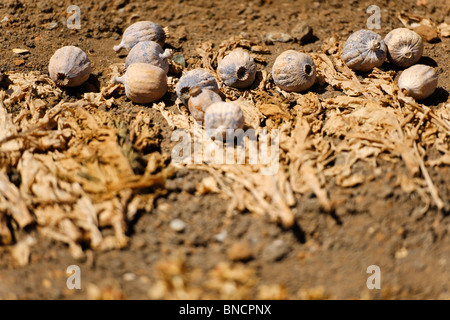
<point x="428" y="34"/>
<point x="221" y="236"/>
<point x="177" y="225"/>
<point x="239" y="251"/>
<point x="129" y="276"/>
<point x="402" y="253"/>
<point x="272" y="37"/>
<point x="19" y="62"/>
<point x="302" y="33"/>
<point x="275" y="251"/>
<point x="20" y="51"/>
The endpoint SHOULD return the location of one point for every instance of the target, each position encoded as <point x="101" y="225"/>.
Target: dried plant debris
<point x="76" y="159"/>
<point x="321" y="139"/>
<point x="75" y="177"/>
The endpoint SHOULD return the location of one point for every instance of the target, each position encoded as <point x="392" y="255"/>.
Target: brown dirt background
<point x="324" y="256"/>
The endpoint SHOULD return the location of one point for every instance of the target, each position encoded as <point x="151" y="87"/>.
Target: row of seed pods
<point x="147" y="64"/>
<point x="365" y="50"/>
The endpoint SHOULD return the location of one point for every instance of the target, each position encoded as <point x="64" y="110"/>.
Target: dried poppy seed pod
<point x="294" y="71"/>
<point x="364" y="50"/>
<point x="200" y="100"/>
<point x="405" y="47"/>
<point x="418" y="81"/>
<point x="223" y="117"/>
<point x="149" y="52"/>
<point x="141" y="31"/>
<point x="69" y="67"/>
<point x="144" y="83"/>
<point x="237" y="69"/>
<point x="195" y="78"/>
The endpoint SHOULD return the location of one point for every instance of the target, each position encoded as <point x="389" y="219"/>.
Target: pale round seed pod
<point x="364" y="50"/>
<point x="149" y="52"/>
<point x="405" y="47"/>
<point x="141" y="31"/>
<point x="418" y="81"/>
<point x="294" y="71"/>
<point x="200" y="100"/>
<point x="195" y="78"/>
<point x="143" y="82"/>
<point x="223" y="117"/>
<point x="237" y="69"/>
<point x="69" y="67"/>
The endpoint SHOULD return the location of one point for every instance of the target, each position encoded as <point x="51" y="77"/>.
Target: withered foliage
<point x="76" y="180"/>
<point x="322" y="138"/>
